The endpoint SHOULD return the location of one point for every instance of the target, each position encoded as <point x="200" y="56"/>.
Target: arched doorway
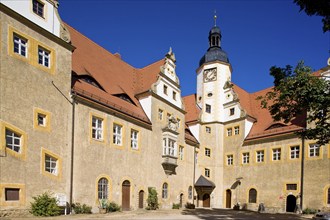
<point x="206" y="200"/>
<point x="181" y="200"/>
<point x="126" y="191"/>
<point x="228" y="198"/>
<point x="141" y="199"/>
<point x="290" y="203"/>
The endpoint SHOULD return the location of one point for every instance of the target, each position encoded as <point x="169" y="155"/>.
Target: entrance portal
<point x="228" y="198"/>
<point x="126" y="190"/>
<point x="290" y="203"/>
<point x="206" y="200"/>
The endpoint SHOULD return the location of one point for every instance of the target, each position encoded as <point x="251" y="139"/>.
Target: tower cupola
<point x="215" y="52"/>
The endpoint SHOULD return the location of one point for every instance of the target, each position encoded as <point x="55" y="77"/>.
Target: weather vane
<point x="215" y="18"/>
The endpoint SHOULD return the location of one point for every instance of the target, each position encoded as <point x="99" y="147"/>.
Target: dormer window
<point x="231" y="111"/>
<point x="174" y="95"/>
<point x="38" y="8"/>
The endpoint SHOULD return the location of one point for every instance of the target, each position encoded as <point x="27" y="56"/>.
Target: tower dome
<point x="214" y="53"/>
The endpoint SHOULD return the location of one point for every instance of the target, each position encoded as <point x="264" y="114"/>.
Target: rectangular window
<point x="196" y="157"/>
<point x="97" y="128"/>
<point x="13" y="141"/>
<point x="174" y="95"/>
<point x="230" y="160"/>
<point x="12" y="194"/>
<point x="246" y="158"/>
<point x="208" y="129"/>
<point x="134" y="139"/>
<point x="314" y="150"/>
<point x="178" y="122"/>
<point x="207" y="108"/>
<point x="38" y="8"/>
<point x="236" y="130"/>
<point x="181" y="152"/>
<point x="43" y="57"/>
<point x="208" y="152"/>
<point x="169" y="147"/>
<point x="160" y="114"/>
<point x="276" y="154"/>
<point x="117" y="134"/>
<point x="229" y="132"/>
<point x="294" y="152"/>
<point x="41" y="120"/>
<point x="207" y="172"/>
<point x="291" y="186"/>
<point x="50" y="164"/>
<point x="231" y="111"/>
<point x="260" y="156"/>
<point x="165" y="89"/>
<point x="20" y="45"/>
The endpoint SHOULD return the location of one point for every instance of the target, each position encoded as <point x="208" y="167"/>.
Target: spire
<point x="215" y="18"/>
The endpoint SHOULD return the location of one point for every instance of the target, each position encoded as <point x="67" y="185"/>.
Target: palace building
<point x="78" y="121"/>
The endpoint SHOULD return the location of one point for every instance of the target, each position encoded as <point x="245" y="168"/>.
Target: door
<point x="206" y="200"/>
<point x="228" y="198"/>
<point x="126" y="190"/>
<point x="141" y="198"/>
<point x="290" y="203"/>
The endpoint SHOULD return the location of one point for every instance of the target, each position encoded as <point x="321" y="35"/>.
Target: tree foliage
<point x="299" y="92"/>
<point x="317" y="7"/>
<point x="152" y="199"/>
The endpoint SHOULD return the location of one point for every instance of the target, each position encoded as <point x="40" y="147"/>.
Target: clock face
<point x="210" y="75"/>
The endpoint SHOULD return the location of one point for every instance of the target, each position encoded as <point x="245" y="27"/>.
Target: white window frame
<point x="314" y="150"/>
<point x="207" y="152"/>
<point x="208" y="129"/>
<point x="13" y="140"/>
<point x="97" y="128"/>
<point x="117" y="134"/>
<point x="294" y="152"/>
<point x="51" y="164"/>
<point x="260" y="156"/>
<point x="207" y="172"/>
<point x="246" y="158"/>
<point x="44" y="57"/>
<point x="229" y="132"/>
<point x="230" y="160"/>
<point x="160" y="114"/>
<point x="20" y="45"/>
<point x="181" y="152"/>
<point x="103" y="188"/>
<point x="165" y="191"/>
<point x="190" y="192"/>
<point x="42" y="119"/>
<point x="134" y="139"/>
<point x="236" y="130"/>
<point x="276" y="154"/>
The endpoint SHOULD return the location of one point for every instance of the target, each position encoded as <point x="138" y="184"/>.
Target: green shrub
<point x="152" y="199"/>
<point x="113" y="207"/>
<point x="189" y="205"/>
<point x="176" y="206"/>
<point x="309" y="211"/>
<point x="45" y="205"/>
<point x="81" y="209"/>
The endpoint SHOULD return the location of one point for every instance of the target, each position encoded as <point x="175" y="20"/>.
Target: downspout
<point x="302" y="172"/>
<point x="72" y="151"/>
<point x="193" y="188"/>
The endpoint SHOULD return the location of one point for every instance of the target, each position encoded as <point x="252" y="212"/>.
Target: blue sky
<point x="256" y="34"/>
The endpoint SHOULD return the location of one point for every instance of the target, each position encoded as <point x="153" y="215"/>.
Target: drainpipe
<point x="193" y="188"/>
<point x="302" y="171"/>
<point x="72" y="151"/>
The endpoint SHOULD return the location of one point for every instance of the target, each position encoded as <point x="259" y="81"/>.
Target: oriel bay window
<point x="169" y="147"/>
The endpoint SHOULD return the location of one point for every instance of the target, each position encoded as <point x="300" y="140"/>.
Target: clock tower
<point x="213" y="74"/>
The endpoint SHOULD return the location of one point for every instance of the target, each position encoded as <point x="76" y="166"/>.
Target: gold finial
<point x="215" y="18"/>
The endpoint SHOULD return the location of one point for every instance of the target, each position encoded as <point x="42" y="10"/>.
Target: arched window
<point x="328" y="198"/>
<point x="253" y="196"/>
<point x="102" y="189"/>
<point x="164" y="191"/>
<point x="190" y="192"/>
